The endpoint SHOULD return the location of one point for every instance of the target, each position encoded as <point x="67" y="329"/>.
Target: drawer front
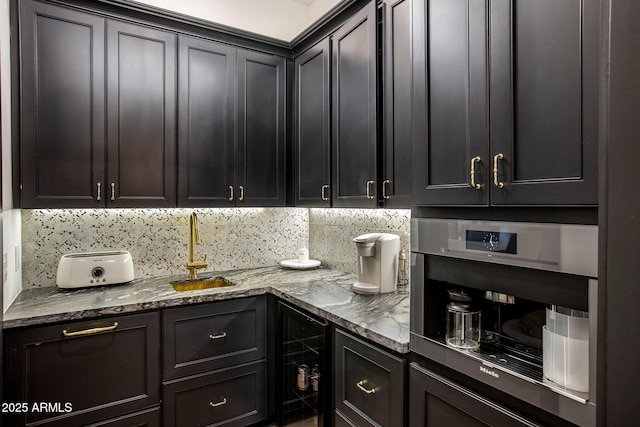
<point x="231" y="397"/>
<point x="342" y="421"/>
<point x="212" y="336"/>
<point x="370" y="383"/>
<point x="92" y="370"/>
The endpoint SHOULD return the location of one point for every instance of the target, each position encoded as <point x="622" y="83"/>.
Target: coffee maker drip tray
<point x="365" y="288"/>
<point x="517" y="359"/>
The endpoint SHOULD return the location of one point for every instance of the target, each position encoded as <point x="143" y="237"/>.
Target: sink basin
<point x="199" y="284"/>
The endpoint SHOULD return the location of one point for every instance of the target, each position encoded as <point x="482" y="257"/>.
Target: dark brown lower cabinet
<point x="229" y="397"/>
<point x="147" y="418"/>
<point x="437" y="401"/>
<point x="369" y="384"/>
<point x="83" y="372"/>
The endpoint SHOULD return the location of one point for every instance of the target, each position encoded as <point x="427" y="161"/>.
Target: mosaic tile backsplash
<point x="233" y="238"/>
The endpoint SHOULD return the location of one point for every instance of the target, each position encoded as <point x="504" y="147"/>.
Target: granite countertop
<point x="382" y="318"/>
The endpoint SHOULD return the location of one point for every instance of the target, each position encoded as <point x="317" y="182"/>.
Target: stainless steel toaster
<point x="79" y="270"/>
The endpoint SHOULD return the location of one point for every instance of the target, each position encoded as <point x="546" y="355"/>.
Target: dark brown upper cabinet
<point x="396" y="179"/>
<point x="231" y="133"/>
<point x="75" y="151"/>
<point x="505" y="102"/>
<point x="62" y="107"/>
<point x="313" y="127"/>
<point x="354" y="109"/>
<point x="141" y="99"/>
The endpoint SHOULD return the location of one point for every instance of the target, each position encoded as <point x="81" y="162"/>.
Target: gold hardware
<point x="497" y="183"/>
<point x="324" y="197"/>
<point x="474" y="184"/>
<point x="384" y="189"/>
<point x="90" y="331"/>
<point x="99" y="192"/>
<point x="217" y="337"/>
<point x="241" y="198"/>
<point x="198" y="285"/>
<point x="222" y="402"/>
<point x="369" y="196"/>
<point x="360" y="385"/>
<point x="194" y="239"/>
<point x="113" y="191"/>
<point x="231" y="193"/>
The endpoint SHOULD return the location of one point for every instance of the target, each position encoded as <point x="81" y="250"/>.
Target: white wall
<point x="279" y="19"/>
<point x="11" y="218"/>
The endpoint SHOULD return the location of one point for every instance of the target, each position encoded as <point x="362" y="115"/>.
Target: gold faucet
<point x="194" y="239"/>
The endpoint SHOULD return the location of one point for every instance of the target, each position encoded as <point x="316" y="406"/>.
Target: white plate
<point x="300" y="265"/>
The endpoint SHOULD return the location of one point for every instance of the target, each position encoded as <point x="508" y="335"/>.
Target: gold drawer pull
<point x="113" y="191"/>
<point x="324" y="195"/>
<point x="360" y="385"/>
<point x="241" y="198"/>
<point x="474" y="184"/>
<point x="231" y="193"/>
<point x="384" y="189"/>
<point x="99" y="192"/>
<point x="219" y="336"/>
<point x="222" y="402"/>
<point x="369" y="196"/>
<point x="90" y="331"/>
<point x="497" y="183"/>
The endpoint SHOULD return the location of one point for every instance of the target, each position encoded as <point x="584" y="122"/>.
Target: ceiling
<point x="278" y="19"/>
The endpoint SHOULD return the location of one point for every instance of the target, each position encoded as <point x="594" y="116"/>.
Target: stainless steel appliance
<point x="377" y="263"/>
<point x="522" y="278"/>
<point x="79" y="270"/>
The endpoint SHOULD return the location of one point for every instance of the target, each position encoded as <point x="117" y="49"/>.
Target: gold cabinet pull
<point x="497" y="183"/>
<point x="231" y="193"/>
<point x="369" y="183"/>
<point x="222" y="402"/>
<point x="384" y="189"/>
<point x="324" y="195"/>
<point x="219" y="336"/>
<point x="99" y="196"/>
<point x="361" y="386"/>
<point x="241" y="198"/>
<point x="90" y="331"/>
<point x="474" y="184"/>
<point x="113" y="191"/>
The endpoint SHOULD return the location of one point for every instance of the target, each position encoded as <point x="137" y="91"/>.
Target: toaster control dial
<point x="97" y="272"/>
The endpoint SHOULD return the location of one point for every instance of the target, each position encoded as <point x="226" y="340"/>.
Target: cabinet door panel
<point x="313" y="162"/>
<point x="62" y="106"/>
<point x="544" y="84"/>
<point x="260" y="160"/>
<point x="450" y="113"/>
<point x="141" y="116"/>
<point x="397" y="174"/>
<point x="354" y="110"/>
<point x="206" y="112"/>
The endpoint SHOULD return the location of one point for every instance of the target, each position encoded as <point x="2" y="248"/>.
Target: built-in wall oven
<point x="512" y="305"/>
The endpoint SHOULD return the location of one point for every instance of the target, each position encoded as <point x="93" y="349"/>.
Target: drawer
<point x="212" y="336"/>
<point x="98" y="369"/>
<point x="230" y="397"/>
<point x="342" y="421"/>
<point x="370" y="383"/>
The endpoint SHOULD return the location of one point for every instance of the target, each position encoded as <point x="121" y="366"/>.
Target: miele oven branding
<point x="484" y="370"/>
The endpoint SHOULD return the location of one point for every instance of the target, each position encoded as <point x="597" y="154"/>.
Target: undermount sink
<point x="199" y="284"/>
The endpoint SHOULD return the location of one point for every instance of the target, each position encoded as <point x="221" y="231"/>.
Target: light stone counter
<point x="327" y="293"/>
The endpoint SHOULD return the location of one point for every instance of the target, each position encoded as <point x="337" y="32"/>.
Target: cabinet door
<point x="62" y="106"/>
<point x="141" y="96"/>
<point x="206" y="122"/>
<point x="450" y="111"/>
<point x="260" y="163"/>
<point x="95" y="369"/>
<point x="436" y="401"/>
<point x="312" y="136"/>
<point x="395" y="186"/>
<point x="544" y="101"/>
<point x="354" y="80"/>
<point x="369" y="383"/>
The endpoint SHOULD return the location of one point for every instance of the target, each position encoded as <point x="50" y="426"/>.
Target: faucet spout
<point x="194" y="239"/>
